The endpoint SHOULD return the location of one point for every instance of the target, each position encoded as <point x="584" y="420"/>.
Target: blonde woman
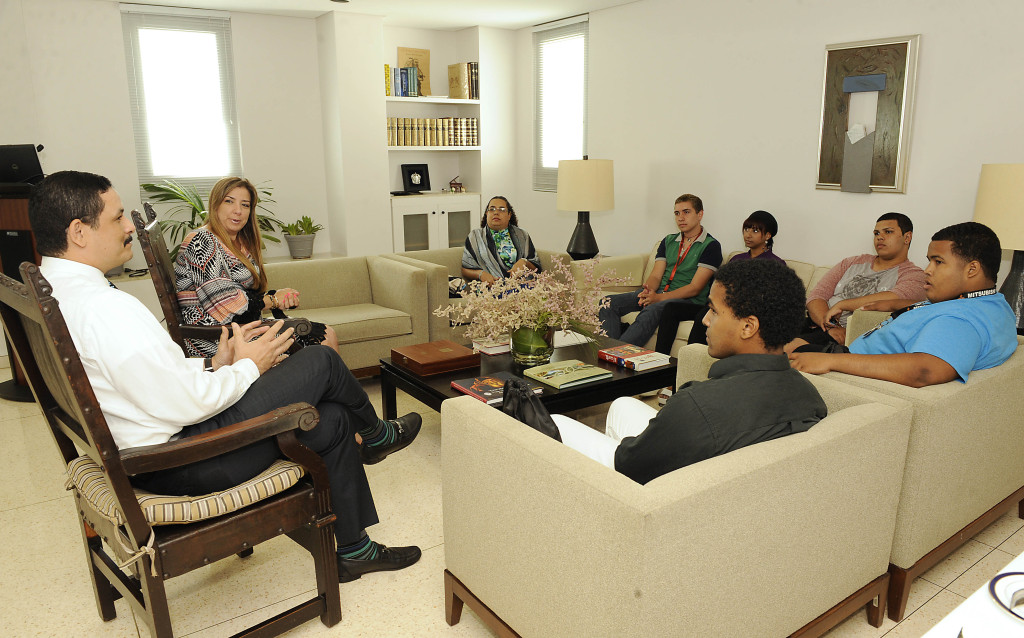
<point x="219" y="270"/>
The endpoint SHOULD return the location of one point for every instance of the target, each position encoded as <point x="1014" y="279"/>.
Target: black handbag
<point x="522" y="403"/>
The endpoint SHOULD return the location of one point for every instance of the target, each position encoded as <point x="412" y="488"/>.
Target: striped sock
<point x="382" y="433"/>
<point x="362" y="549"/>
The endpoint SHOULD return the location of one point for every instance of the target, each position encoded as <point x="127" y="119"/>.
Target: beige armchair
<point x="374" y="304"/>
<point x="789" y="533"/>
<point x="964" y="469"/>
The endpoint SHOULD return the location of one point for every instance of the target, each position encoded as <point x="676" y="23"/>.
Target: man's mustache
<point x="128" y="240"/>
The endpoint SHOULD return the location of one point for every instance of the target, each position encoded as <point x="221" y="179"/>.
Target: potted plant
<point x="300" y="235"/>
<point x="187" y="198"/>
<point x="527" y="308"/>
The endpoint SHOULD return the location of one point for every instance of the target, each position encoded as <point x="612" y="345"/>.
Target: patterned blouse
<point x="213" y="287"/>
<point x="506" y="249"/>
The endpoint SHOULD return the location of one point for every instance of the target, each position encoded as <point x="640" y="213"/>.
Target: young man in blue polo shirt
<point x="684" y="266"/>
<point x="965" y="325"/>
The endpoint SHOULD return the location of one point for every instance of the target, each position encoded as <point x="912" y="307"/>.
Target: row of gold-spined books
<point x="433" y="131"/>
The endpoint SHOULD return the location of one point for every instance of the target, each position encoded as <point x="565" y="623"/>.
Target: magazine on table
<point x="489" y="388"/>
<point x="566" y="374"/>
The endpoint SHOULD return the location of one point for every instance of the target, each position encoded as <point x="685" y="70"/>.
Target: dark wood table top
<point x="434" y="389"/>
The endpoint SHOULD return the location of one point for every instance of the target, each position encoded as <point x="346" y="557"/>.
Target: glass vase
<point x="532" y="347"/>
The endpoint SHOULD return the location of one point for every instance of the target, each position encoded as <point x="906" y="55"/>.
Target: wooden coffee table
<point x="433" y="390"/>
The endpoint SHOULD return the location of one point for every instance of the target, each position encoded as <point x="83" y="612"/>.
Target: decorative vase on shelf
<point x="532" y="347"/>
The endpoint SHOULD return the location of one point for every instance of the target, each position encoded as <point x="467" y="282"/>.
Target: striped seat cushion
<point x="88" y="479"/>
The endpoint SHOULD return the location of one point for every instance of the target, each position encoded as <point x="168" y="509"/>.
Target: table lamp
<point x="583" y="186"/>
<point x="1000" y="206"/>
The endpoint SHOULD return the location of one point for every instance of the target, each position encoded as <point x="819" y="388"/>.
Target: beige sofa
<point x="758" y="542"/>
<point x="636" y="268"/>
<point x="373" y="303"/>
<point x="964" y="469"/>
<point x="439" y="264"/>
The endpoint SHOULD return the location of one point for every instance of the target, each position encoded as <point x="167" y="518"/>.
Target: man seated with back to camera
<point x="751" y="394"/>
<point x="150" y="393"/>
<point x="964" y="325"/>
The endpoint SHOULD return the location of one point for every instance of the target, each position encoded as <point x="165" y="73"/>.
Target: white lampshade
<point x="587" y="184"/>
<point x="1000" y="203"/>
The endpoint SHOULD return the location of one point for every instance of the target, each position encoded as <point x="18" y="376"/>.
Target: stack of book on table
<point x="488" y="346"/>
<point x="633" y="357"/>
<point x="489" y="389"/>
<point x="567" y="373"/>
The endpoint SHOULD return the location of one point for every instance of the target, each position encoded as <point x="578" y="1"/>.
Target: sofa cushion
<point x="363" y="321"/>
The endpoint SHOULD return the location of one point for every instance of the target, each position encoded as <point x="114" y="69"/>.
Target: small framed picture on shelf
<point x="415" y="177"/>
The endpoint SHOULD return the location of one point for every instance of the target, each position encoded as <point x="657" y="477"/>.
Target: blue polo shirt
<point x="968" y="334"/>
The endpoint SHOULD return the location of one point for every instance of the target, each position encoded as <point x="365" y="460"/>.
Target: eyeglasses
<point x="491" y="209"/>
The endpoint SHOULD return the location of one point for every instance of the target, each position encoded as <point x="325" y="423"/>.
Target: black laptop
<point x="19" y="163"/>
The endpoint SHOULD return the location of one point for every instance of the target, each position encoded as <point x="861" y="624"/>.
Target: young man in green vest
<point x="684" y="266"/>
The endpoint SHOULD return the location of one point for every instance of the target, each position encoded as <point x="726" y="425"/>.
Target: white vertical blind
<point x="181" y="85"/>
<point x="560" y="117"/>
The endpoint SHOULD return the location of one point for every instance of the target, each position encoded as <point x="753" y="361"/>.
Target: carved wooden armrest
<point x="151" y="458"/>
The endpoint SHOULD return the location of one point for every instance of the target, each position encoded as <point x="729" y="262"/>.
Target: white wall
<point x="723" y="99"/>
<point x="277" y="83"/>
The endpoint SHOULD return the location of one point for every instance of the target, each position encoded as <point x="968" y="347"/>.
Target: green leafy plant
<point x="186" y="198"/>
<point x="304" y="226"/>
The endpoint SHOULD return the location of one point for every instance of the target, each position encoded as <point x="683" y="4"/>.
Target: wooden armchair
<point x="158" y="259"/>
<point x="130" y="547"/>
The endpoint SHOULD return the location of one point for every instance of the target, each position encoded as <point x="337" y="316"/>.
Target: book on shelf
<point x="489" y="346"/>
<point x="633" y="357"/>
<point x="567" y="373"/>
<point x="491" y="388"/>
<point x="474" y="80"/>
<point x="414" y="81"/>
<point x="441" y="131"/>
<point x="387" y="79"/>
<point x="418" y="59"/>
<point x="458" y="81"/>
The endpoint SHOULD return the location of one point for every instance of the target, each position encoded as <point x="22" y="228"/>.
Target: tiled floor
<point x="44" y="588"/>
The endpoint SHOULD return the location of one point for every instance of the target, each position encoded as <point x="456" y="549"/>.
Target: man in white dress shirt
<point x="150" y="392"/>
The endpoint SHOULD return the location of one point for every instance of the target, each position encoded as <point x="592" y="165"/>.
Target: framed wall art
<point x="888" y="66"/>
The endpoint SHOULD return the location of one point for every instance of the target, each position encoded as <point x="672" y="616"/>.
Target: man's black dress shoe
<point x="406" y="427"/>
<point x="388" y="559"/>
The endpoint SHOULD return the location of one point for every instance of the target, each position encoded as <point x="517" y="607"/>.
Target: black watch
<point x="208" y="364"/>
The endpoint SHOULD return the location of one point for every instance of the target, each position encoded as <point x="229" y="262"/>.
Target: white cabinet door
<point x="427" y="222"/>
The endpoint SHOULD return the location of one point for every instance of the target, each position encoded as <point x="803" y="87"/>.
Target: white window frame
<point x="546" y="178"/>
<point x="135" y="17"/>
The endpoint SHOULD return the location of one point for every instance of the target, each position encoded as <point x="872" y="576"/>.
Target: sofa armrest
<point x="437" y="293"/>
<point x="629" y="267"/>
<point x="693" y="363"/>
<point x="862" y="321"/>
<point x="400" y="286"/>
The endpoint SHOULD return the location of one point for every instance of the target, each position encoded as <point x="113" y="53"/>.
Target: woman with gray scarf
<point x="499" y="247"/>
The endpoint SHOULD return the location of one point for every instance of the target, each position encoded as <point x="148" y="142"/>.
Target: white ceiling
<point x="424" y="14"/>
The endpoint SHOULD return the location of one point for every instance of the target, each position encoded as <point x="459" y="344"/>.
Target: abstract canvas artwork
<point x="889" y="67"/>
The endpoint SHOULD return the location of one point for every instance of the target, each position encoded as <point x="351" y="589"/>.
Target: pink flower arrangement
<point x="552" y="298"/>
